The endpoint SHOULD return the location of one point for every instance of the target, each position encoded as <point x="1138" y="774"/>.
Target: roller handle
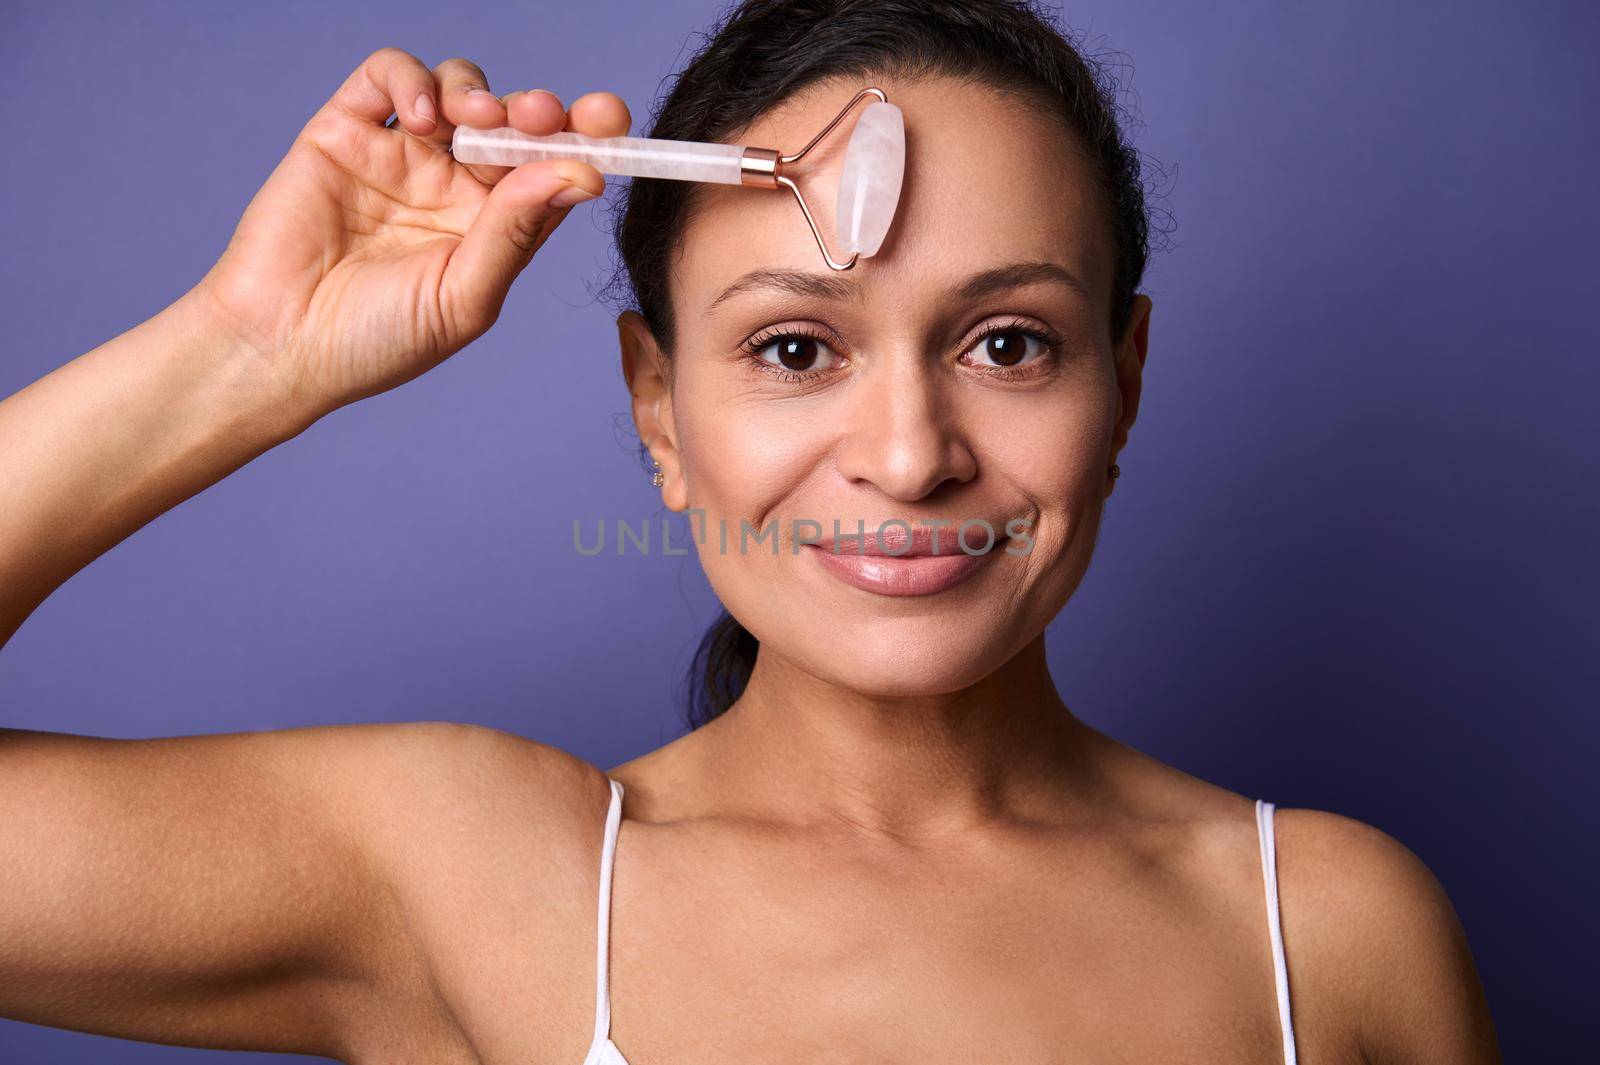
<point x="631" y="156"/>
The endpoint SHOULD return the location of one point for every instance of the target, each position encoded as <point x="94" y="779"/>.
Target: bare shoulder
<point x="441" y="789"/>
<point x="451" y="756"/>
<point x="396" y="778"/>
<point x="456" y="820"/>
<point x="1371" y="938"/>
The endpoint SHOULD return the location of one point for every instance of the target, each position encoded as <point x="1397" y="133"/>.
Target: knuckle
<point x="526" y="234"/>
<point x="467" y="319"/>
<point x="459" y="67"/>
<point x="387" y="54"/>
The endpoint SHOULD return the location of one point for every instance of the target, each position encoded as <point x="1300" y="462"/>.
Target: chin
<point x="904" y="656"/>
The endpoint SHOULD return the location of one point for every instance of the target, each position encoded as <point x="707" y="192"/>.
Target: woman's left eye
<point x="1007" y="347"/>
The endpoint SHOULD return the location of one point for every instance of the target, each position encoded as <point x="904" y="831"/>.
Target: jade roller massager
<point x="869" y="185"/>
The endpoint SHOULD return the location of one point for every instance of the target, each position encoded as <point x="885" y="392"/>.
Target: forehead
<point x="989" y="181"/>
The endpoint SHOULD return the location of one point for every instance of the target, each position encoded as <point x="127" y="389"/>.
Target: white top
<point x="602" y="1051"/>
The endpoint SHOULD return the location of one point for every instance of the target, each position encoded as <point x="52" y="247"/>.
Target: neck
<point x="916" y="767"/>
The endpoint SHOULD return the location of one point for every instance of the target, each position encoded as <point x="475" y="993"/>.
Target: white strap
<point x="602" y="991"/>
<point x="1269" y="870"/>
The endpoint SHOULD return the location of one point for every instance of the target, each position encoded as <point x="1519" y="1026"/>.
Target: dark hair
<point x="761" y="52"/>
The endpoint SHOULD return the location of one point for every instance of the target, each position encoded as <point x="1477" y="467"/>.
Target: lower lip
<point x="889" y="575"/>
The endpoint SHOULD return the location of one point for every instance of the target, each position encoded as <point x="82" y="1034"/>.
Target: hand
<point x="370" y="255"/>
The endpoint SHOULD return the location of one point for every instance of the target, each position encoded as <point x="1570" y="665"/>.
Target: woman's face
<point x="873" y="394"/>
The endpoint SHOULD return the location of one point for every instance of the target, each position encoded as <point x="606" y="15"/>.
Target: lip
<point x="907" y="575"/>
<point x="900" y="560"/>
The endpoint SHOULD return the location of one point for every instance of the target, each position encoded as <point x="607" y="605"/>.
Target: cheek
<point x="744" y="454"/>
<point x="1051" y="448"/>
<point x="745" y="462"/>
<point x="1051" y="452"/>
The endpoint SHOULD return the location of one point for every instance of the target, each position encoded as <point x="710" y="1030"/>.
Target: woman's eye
<point x="1005" y="348"/>
<point x="797" y="352"/>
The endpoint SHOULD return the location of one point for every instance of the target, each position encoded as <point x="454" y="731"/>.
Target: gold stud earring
<point x="658" y="478"/>
<point x="1115" y="471"/>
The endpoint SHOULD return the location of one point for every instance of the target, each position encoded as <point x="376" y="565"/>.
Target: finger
<point x="465" y="100"/>
<point x="537" y="111"/>
<point x="388" y="82"/>
<point x="513" y="223"/>
<point x="599" y="114"/>
<point x="540" y="111"/>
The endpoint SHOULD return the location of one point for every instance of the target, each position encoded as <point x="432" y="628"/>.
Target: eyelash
<point x="761" y="341"/>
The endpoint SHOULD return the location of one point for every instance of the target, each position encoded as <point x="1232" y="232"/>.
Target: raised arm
<point x="206" y="890"/>
<point x="109" y="441"/>
<point x="368" y="257"/>
<point x="257" y="891"/>
<point x="245" y="891"/>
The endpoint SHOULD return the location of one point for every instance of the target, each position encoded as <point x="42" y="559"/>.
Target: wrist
<point x="249" y="381"/>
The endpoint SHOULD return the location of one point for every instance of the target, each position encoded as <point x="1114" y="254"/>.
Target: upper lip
<point x="891" y="540"/>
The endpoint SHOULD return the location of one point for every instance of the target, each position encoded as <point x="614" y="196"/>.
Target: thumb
<point x="513" y="223"/>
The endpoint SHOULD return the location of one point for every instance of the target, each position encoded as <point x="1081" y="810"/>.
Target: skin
<point x="900" y="845"/>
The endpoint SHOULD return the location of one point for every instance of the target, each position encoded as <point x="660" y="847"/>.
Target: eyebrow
<point x="983" y="283"/>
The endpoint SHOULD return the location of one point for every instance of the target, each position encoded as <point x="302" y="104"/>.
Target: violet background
<point x="1349" y="565"/>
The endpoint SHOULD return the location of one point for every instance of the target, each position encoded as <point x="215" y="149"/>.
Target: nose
<point x="903" y="435"/>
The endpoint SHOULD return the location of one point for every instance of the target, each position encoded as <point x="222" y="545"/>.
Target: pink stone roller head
<point x="869" y="185"/>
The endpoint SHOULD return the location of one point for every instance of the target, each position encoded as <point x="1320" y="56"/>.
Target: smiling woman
<point x="987" y="360"/>
<point x="886" y="837"/>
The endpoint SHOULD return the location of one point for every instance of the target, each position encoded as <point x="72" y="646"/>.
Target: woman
<point x="889" y="839"/>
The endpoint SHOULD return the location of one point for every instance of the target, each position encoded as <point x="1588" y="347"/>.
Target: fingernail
<point x="424" y="107"/>
<point x="473" y="90"/>
<point x="570" y="195"/>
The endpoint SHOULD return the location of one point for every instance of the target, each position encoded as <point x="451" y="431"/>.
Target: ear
<point x="1128" y="360"/>
<point x="648" y="376"/>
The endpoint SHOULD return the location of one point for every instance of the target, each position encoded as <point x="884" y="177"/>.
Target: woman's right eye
<point x="794" y="353"/>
